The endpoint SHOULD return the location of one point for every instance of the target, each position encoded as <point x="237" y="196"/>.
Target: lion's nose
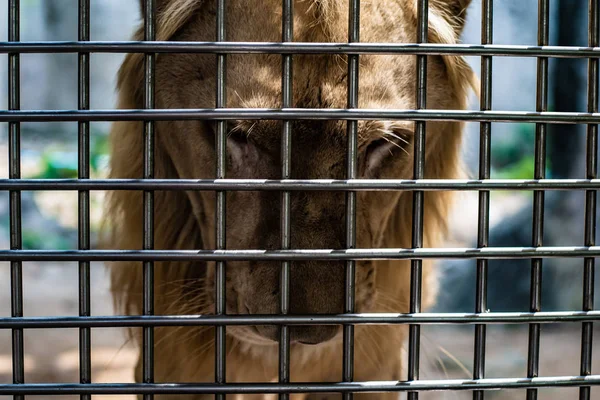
<point x="313" y="334"/>
<point x="308" y="335"/>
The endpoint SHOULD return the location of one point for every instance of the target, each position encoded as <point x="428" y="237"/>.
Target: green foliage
<point x="99" y="152"/>
<point x="60" y="164"/>
<point x="514" y="158"/>
<point x="513" y="150"/>
<point x="522" y="169"/>
<point x="34" y="240"/>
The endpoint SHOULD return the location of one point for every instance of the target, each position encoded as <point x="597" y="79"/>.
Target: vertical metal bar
<point x="483" y="230"/>
<point x="416" y="270"/>
<point x="221" y="150"/>
<point x="287" y="29"/>
<point x="538" y="196"/>
<point x="590" y="199"/>
<point x="351" y="173"/>
<point x="14" y="150"/>
<point x="148" y="220"/>
<point x="85" y="363"/>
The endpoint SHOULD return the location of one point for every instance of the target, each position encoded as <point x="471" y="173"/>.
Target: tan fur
<point x="186" y="150"/>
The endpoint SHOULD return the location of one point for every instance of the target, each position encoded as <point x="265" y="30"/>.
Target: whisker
<point x="251" y="128"/>
<point x="456" y="360"/>
<point x="109" y="362"/>
<point x="242" y="102"/>
<point x="400" y="138"/>
<point x="393" y="143"/>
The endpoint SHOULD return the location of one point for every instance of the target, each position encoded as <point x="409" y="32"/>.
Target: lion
<point x="185" y="220"/>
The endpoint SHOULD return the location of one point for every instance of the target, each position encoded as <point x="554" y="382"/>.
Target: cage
<point x="18" y="323"/>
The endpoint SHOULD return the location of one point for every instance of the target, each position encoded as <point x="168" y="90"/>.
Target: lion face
<point x="317" y="221"/>
<point x="318" y="149"/>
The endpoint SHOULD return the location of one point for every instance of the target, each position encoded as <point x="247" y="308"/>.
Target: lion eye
<point x="240" y="149"/>
<point x="379" y="150"/>
<point x="237" y="137"/>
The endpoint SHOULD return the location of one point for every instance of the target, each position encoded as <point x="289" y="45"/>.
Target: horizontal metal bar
<point x="299" y="254"/>
<point x="280" y="319"/>
<point x="300" y="184"/>
<point x="297" y="387"/>
<point x="296" y="114"/>
<point x="299" y="48"/>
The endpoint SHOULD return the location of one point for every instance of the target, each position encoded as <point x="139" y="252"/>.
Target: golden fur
<point x="185" y="150"/>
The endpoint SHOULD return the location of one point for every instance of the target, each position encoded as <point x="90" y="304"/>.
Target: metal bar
<point x="14" y="157"/>
<point x="564" y="150"/>
<point x="148" y="212"/>
<point x="590" y="200"/>
<point x="220" y="217"/>
<point x="320" y="319"/>
<point x="301" y="184"/>
<point x="301" y="387"/>
<point x="467" y="253"/>
<point x="351" y="173"/>
<point x="287" y="98"/>
<point x="483" y="229"/>
<point x="535" y="303"/>
<point x="83" y="172"/>
<point x="300" y="48"/>
<point x="416" y="267"/>
<point x="297" y="114"/>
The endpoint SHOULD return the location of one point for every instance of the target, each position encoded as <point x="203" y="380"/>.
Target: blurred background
<point x="49" y="150"/>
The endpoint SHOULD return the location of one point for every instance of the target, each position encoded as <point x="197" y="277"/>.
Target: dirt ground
<point x="51" y="355"/>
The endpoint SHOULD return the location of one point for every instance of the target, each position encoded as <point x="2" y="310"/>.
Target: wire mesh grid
<point x="17" y="322"/>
